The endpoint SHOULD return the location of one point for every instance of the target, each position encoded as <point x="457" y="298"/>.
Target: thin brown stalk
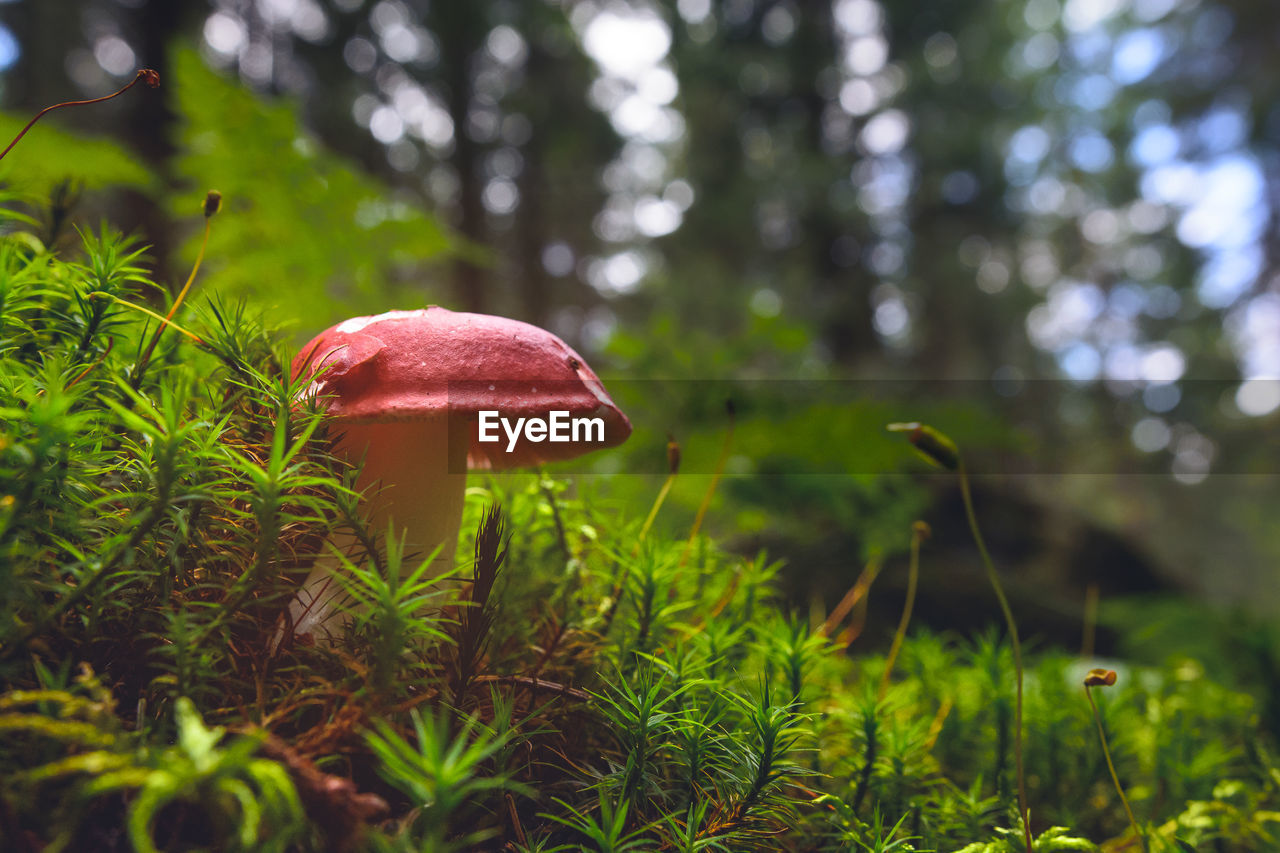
<point x="919" y="532"/>
<point x="124" y="303"/>
<point x="855" y="594"/>
<point x="147" y="75"/>
<point x="536" y="684"/>
<point x="212" y="203"/>
<point x="725" y="448"/>
<point x="673" y="467"/>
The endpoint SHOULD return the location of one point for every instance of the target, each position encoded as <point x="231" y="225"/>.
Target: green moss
<point x="592" y="692"/>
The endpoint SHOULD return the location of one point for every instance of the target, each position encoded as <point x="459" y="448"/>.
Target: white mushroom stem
<point x="414" y="475"/>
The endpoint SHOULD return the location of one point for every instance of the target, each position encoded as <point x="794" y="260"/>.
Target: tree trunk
<point x="461" y="30"/>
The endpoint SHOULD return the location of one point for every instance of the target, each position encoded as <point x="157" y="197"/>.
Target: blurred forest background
<point x="1046" y="227"/>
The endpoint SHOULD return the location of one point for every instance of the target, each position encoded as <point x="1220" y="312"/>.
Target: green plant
<point x="329" y="239"/>
<point x="607" y="834"/>
<point x="252" y="800"/>
<point x="640" y="721"/>
<point x="442" y="772"/>
<point x="766" y="760"/>
<point x="386" y="607"/>
<point x="885" y="840"/>
<point x="199" y="785"/>
<point x="1052" y="840"/>
<point x="687" y="833"/>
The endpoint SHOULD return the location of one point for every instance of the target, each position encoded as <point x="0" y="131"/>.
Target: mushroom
<point x="421" y="396"/>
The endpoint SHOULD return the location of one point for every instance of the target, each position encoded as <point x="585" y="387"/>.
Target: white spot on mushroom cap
<point x="356" y="324"/>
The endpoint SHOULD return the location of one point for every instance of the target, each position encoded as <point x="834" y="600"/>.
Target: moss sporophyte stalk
<point x="919" y="532"/>
<point x="147" y="76"/>
<point x="941" y="451"/>
<point x="1107" y="678"/>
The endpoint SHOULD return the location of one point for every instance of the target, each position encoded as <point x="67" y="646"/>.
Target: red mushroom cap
<point x="433" y="362"/>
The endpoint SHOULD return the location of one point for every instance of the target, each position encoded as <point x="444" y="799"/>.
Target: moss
<point x="586" y="689"/>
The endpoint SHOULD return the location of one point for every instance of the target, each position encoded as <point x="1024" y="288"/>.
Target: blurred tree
<point x="483" y="103"/>
<point x="985" y="190"/>
<point x="769" y="162"/>
<point x="301" y="222"/>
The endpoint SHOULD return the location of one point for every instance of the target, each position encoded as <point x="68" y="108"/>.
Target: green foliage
<point x="385" y="599"/>
<point x="607" y="833"/>
<point x="569" y="688"/>
<point x="239" y="801"/>
<point x="299" y="219"/>
<point x="445" y="774"/>
<point x="148" y="519"/>
<point x="809" y="456"/>
<point x="878" y="839"/>
<point x="252" y="801"/>
<point x="47" y="156"/>
<point x="1053" y="839"/>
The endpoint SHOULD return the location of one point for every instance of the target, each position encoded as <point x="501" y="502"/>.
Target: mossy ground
<point x="586" y="685"/>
